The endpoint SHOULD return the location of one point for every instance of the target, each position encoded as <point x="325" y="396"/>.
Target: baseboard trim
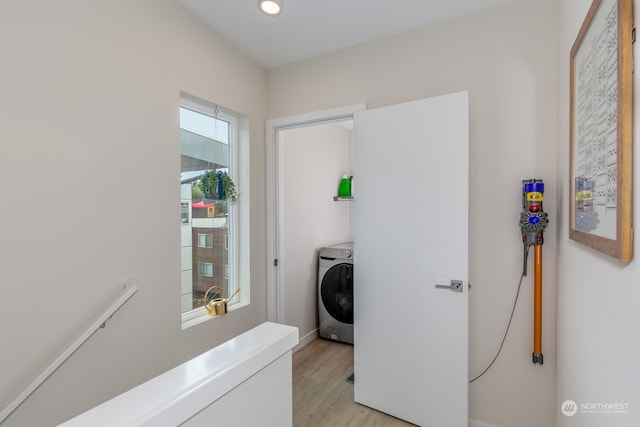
<point x="474" y="423"/>
<point x="307" y="339"/>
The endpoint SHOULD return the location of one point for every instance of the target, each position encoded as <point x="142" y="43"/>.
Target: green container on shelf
<point x="344" y="190"/>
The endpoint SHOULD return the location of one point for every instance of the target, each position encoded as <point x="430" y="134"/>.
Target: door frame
<point x="275" y="294"/>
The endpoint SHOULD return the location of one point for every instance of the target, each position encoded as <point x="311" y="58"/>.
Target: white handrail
<point x="130" y="288"/>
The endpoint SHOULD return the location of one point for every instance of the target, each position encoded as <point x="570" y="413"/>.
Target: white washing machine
<point x="335" y="292"/>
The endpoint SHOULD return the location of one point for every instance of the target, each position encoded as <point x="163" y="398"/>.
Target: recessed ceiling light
<point x="270" y="7"/>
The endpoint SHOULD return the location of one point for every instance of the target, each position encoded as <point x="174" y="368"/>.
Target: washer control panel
<point x="336" y="252"/>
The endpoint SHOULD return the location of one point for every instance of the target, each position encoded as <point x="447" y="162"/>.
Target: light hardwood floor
<point x="321" y="395"/>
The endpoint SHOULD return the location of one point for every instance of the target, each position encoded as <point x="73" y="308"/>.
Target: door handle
<point x="455" y="286"/>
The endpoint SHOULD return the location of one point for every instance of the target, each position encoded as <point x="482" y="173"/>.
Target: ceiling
<point x="308" y="28"/>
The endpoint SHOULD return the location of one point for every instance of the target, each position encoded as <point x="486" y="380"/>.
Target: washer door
<point x="336" y="291"/>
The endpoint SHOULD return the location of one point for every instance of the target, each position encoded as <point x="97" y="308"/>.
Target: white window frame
<point x="208" y="240"/>
<point x="238" y="246"/>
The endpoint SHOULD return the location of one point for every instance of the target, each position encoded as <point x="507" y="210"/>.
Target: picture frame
<point x="601" y="104"/>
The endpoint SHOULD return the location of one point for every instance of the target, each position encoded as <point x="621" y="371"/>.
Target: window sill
<point x="200" y="315"/>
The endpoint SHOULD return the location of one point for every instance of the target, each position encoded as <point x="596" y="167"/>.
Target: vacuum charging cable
<point x="506" y="332"/>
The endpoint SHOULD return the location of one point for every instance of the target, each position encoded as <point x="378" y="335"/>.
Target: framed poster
<point x="601" y="130"/>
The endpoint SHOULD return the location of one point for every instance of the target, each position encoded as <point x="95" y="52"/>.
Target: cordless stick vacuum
<point x="533" y="221"/>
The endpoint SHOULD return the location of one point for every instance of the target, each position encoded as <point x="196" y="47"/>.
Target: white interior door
<point x="411" y="234"/>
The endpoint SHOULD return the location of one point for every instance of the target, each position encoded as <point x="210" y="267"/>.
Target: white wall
<point x="507" y="58"/>
<point x="598" y="296"/>
<point x="89" y="173"/>
<point x="313" y="160"/>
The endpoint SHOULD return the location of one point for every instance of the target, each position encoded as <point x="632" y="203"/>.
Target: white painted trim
<point x="474" y="423"/>
<point x="306" y="340"/>
<point x="275" y="299"/>
<point x="200" y="315"/>
<point x="175" y="396"/>
<point x="130" y="288"/>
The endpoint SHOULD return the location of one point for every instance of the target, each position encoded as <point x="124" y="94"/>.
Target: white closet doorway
<point x="411" y="169"/>
<point x="307" y="155"/>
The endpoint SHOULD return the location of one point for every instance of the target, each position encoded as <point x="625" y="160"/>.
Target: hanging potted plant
<point x="219" y="185"/>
